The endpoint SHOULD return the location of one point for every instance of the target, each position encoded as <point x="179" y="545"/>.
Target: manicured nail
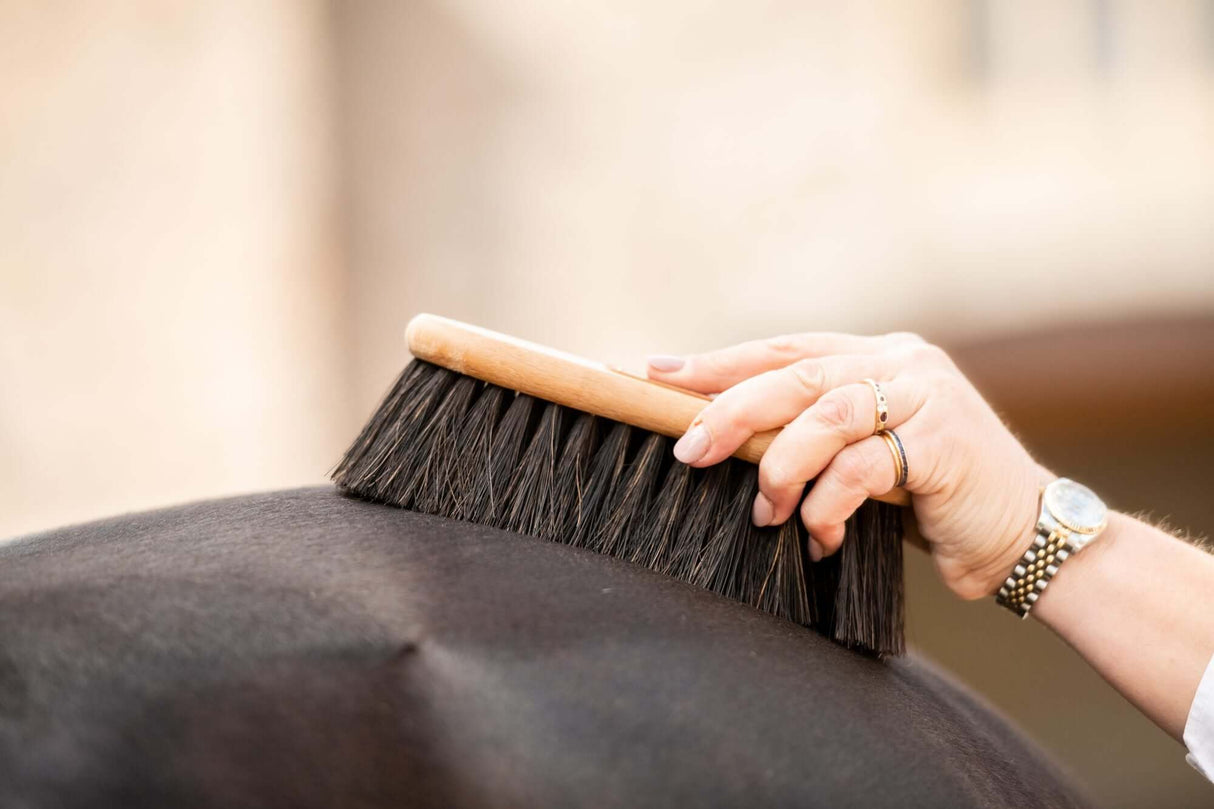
<point x="692" y="446"/>
<point x="762" y="512"/>
<point x="815" y="550"/>
<point x="666" y="363"/>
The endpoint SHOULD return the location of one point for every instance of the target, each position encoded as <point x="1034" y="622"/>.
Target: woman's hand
<point x="974" y="487"/>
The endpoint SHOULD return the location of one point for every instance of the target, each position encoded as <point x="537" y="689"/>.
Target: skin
<point x="975" y="494"/>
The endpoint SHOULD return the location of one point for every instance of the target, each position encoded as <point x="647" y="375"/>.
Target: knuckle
<point x="813" y="521"/>
<point x="905" y="338"/>
<point x="835" y="410"/>
<point x="718" y="363"/>
<point x="952" y="385"/>
<point x="719" y="408"/>
<point x="830" y="537"/>
<point x="784" y="344"/>
<point x="852" y="469"/>
<point x="810" y="374"/>
<point x="948" y="387"/>
<point x="774" y="476"/>
<point x="720" y="420"/>
<point x="922" y="356"/>
<point x="929" y="354"/>
<point x="732" y="409"/>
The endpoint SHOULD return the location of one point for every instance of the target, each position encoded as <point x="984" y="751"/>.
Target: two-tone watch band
<point x="1034" y="570"/>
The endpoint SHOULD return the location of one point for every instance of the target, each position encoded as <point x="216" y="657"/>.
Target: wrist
<point x="1077" y="572"/>
<point x="1071" y="516"/>
<point x="1019" y="536"/>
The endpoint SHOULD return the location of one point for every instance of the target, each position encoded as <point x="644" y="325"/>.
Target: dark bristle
<point x="573" y="475"/>
<point x="783" y="590"/>
<point x="398" y="480"/>
<point x="667" y="512"/>
<point x="628" y="506"/>
<point x="868" y="604"/>
<point x="385" y="468"/>
<point x="436" y="483"/>
<point x="474" y="445"/>
<point x="497" y="470"/>
<point x="446" y="444"/>
<point x="720" y="565"/>
<point x="530" y="504"/>
<point x="606" y="470"/>
<point x="704" y="509"/>
<point x="821" y="583"/>
<point x="386" y="420"/>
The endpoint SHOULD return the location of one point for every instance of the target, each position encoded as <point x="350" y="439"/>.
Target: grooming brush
<point x="494" y="430"/>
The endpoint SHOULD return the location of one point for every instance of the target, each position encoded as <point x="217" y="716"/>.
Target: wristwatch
<point x="1071" y="517"/>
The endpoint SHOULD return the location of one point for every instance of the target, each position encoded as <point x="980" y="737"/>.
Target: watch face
<point x="1075" y="506"/>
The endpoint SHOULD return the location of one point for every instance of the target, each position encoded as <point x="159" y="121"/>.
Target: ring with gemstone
<point x="881" y="416"/>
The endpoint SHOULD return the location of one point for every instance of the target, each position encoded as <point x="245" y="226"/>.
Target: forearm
<point x="1138" y="605"/>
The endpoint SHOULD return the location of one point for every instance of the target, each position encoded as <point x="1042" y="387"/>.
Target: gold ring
<point x="901" y="468"/>
<point x="881" y="415"/>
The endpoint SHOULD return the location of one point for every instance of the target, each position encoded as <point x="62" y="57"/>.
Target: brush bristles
<point x="446" y="444"/>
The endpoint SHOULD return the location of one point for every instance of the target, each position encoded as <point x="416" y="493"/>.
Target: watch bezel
<point x="1067" y="521"/>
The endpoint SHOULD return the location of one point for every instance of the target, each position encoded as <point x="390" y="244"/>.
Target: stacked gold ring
<point x="901" y="468"/>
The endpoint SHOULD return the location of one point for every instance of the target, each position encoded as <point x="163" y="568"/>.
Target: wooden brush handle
<point x="572" y="381"/>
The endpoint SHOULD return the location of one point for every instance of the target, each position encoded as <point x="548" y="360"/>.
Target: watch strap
<point x="1032" y="574"/>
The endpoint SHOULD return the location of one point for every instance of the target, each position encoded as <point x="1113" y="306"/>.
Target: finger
<point x="773" y="399"/>
<point x="715" y="371"/>
<point x="809" y="444"/>
<point x="864" y="469"/>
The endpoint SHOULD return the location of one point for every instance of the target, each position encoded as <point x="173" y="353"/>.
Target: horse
<point x="306" y="649"/>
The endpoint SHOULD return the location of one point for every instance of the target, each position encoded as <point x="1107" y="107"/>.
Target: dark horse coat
<point x="301" y="649"/>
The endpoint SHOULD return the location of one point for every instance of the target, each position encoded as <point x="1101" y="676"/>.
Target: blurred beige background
<point x="215" y="219"/>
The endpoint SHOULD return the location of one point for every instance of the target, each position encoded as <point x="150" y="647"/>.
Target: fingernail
<point x="666" y="363"/>
<point x="815" y="550"/>
<point x="692" y="446"/>
<point x="762" y="512"/>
